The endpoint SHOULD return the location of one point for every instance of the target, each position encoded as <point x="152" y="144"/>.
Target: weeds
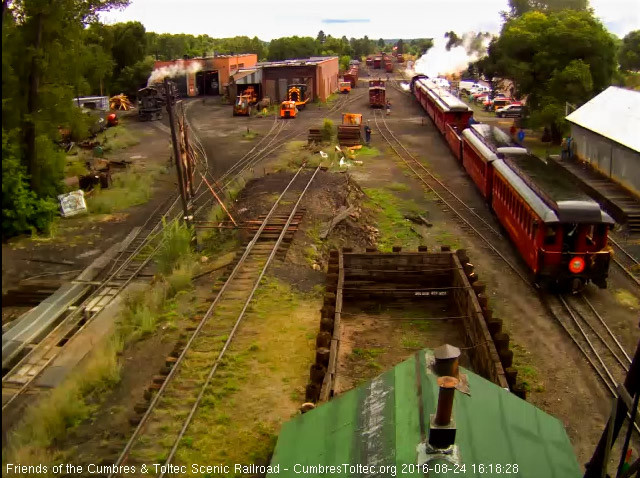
<point x="175" y="248"/>
<point x="118" y="137"/>
<point x="393" y="227"/>
<point x="129" y="189"/>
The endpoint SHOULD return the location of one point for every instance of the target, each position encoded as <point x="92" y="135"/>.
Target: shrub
<point x="327" y="130"/>
<point x="22" y="210"/>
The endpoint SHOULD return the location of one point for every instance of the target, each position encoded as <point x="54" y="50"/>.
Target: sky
<point x="270" y="19"/>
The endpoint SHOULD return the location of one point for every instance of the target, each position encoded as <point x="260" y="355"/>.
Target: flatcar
<point x="377" y="94"/>
<point x="559" y="231"/>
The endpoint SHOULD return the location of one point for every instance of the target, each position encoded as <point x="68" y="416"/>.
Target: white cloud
<point x="277" y="18"/>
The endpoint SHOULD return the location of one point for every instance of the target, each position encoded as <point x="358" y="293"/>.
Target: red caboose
<point x="377" y="94"/>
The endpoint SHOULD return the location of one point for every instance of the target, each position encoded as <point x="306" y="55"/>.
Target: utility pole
<point x="189" y="159"/>
<point x="176" y="150"/>
<point x="631" y="388"/>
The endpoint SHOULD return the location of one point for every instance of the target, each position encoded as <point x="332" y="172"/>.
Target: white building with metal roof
<point x="606" y="133"/>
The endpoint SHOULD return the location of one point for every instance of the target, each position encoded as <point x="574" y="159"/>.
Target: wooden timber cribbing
<point x="491" y="355"/>
<point x="408" y="277"/>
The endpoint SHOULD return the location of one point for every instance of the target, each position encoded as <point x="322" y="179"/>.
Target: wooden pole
<point x="176" y="149"/>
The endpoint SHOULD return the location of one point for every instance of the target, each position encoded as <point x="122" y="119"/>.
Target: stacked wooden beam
<point x="314" y="135"/>
<point x="349" y="135"/>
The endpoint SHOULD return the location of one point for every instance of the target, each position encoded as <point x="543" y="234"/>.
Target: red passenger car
<point x="482" y="144"/>
<point x="560" y="232"/>
<point x="441" y="106"/>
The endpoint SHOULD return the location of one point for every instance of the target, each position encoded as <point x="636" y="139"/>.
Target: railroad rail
<point x="446" y="196"/>
<point x="591" y="334"/>
<point x="173" y="407"/>
<point x="110" y="282"/>
<point x="625" y="261"/>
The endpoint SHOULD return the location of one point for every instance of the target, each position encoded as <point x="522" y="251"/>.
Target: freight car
<point x="377" y="62"/>
<point x="377" y="94"/>
<point x="352" y="76"/>
<point x="558" y="230"/>
<point x="388" y="67"/>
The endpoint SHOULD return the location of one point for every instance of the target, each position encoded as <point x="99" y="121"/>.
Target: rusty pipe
<point x="445" y="400"/>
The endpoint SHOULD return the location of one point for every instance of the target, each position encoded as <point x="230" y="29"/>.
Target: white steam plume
<point x="438" y="61"/>
<point x="171" y="71"/>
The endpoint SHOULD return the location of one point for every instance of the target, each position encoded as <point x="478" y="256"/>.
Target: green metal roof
<point x="382" y="423"/>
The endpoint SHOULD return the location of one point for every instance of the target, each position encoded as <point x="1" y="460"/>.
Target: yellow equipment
<point x="297" y="93"/>
<point x="120" y="102"/>
<point x="242" y="106"/>
<point x="345" y="86"/>
<point x="288" y="109"/>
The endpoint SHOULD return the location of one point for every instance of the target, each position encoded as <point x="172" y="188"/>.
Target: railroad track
<point x="468" y="218"/>
<point x="629" y="265"/>
<point x="174" y="406"/>
<point x="110" y="282"/>
<point x="591" y="334"/>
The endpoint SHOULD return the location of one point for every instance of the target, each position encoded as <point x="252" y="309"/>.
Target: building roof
<point x="314" y="60"/>
<point x="614" y="114"/>
<point x="382" y="423"/>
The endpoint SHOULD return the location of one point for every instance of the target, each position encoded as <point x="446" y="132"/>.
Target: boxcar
<point x="560" y="232"/>
<point x="377" y="62"/>
<point x="388" y="66"/>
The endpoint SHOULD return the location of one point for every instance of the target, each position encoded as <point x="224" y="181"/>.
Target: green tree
<point x="321" y="38"/>
<point x="381" y="43"/>
<point x="344" y="63"/>
<point x="517" y="8"/>
<point x="553" y="58"/>
<point x="400" y="46"/>
<point x="629" y="55"/>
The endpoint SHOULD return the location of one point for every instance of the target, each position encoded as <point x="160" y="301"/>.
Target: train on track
<point x="377" y="94"/>
<point x="559" y="231"/>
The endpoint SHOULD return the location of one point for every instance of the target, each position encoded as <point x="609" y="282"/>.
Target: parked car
<point x="480" y="97"/>
<point x="496" y="103"/>
<point x="510" y="111"/>
<point x="479" y="89"/>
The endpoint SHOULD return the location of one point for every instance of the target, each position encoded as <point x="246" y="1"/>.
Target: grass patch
<point x="175" y="248"/>
<point x="627" y="299"/>
<point x="250" y="135"/>
<point x="118" y="137"/>
<point x="410" y="343"/>
<point x="130" y="188"/>
<point x="528" y="374"/>
<point x="367" y="151"/>
<point x="368" y="356"/>
<point x="394" y="228"/>
<point x="398" y="187"/>
<point x="255" y="390"/>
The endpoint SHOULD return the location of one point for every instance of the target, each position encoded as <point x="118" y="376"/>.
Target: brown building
<point x="273" y="78"/>
<point x="206" y="76"/>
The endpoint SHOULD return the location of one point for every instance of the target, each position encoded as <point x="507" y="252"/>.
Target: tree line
<point x="56" y="50"/>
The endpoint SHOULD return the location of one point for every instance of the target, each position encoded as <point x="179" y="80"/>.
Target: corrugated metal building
<point x="606" y="134"/>
<point x="386" y="422"/>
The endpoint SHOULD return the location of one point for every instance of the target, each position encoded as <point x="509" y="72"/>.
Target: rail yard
<point x="352" y="237"/>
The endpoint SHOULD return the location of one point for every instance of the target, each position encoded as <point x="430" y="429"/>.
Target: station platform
<point x="621" y="205"/>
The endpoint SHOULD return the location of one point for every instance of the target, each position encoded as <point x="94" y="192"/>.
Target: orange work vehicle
<point x="288" y="109"/>
<point x="345" y="86"/>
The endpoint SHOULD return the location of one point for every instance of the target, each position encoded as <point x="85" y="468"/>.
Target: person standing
<point x="367" y="133"/>
<point x="521" y="136"/>
<point x="388" y="107"/>
<point x="513" y="131"/>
